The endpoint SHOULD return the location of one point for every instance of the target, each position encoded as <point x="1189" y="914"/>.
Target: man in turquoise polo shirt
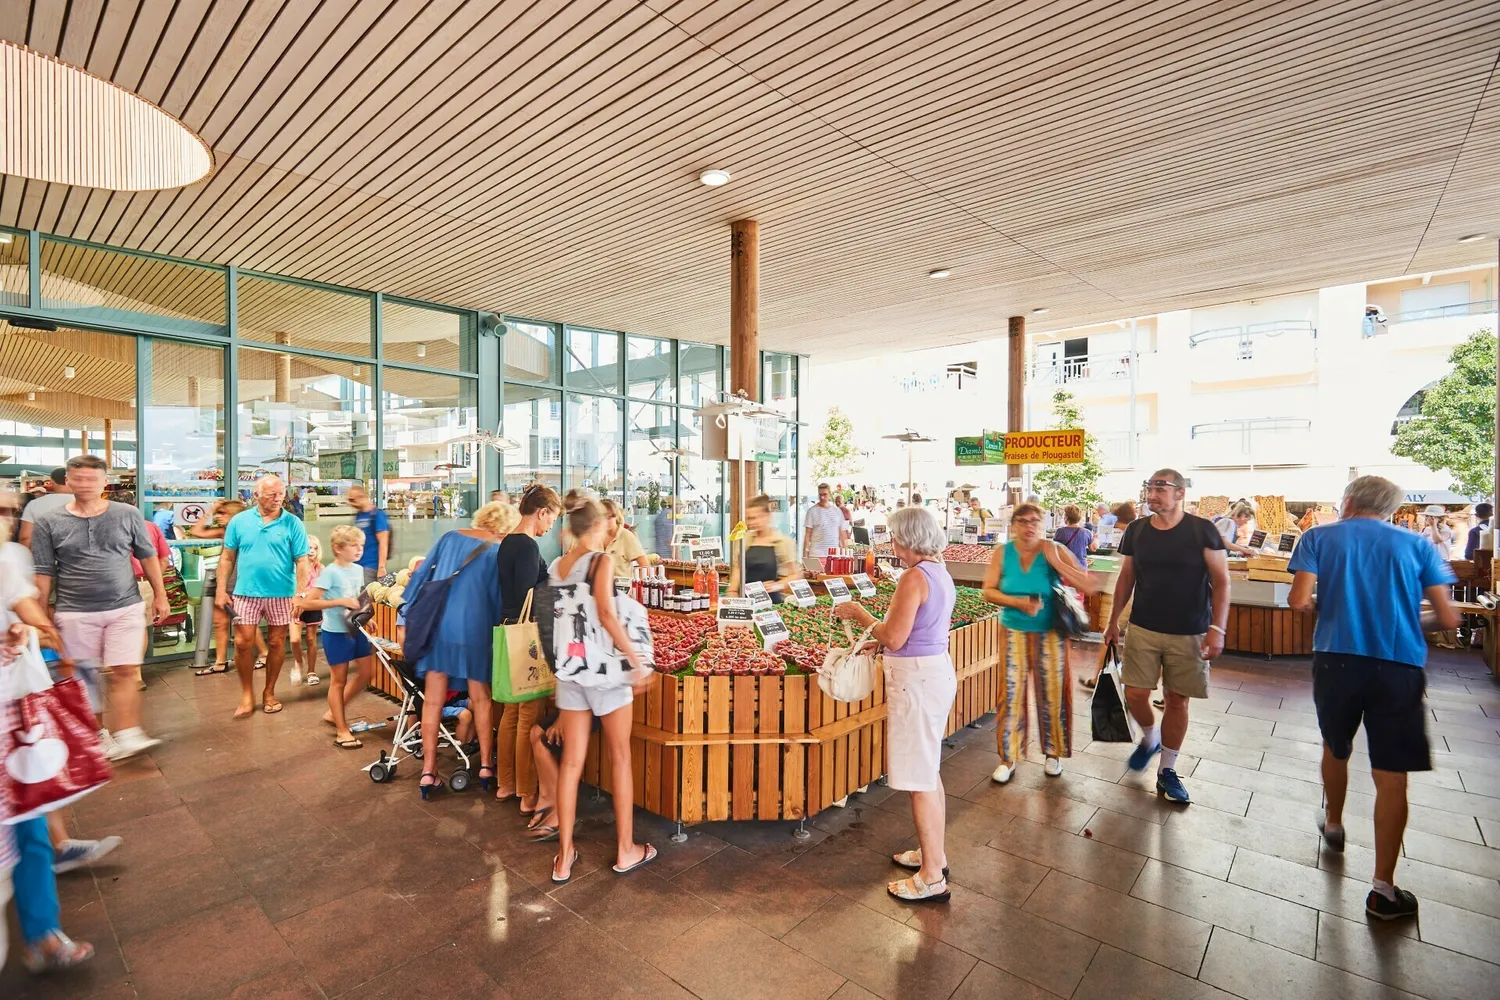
<point x="265" y="556"/>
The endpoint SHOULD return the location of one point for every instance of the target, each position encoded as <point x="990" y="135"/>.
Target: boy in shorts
<point x="336" y="593"/>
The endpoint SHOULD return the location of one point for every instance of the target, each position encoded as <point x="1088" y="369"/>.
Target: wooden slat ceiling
<point x="1100" y="158"/>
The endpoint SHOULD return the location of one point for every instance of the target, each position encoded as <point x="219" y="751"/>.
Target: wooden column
<point x="109" y="442"/>
<point x="283" y="371"/>
<point x="1015" y="400"/>
<point x="744" y="347"/>
<point x="83" y="437"/>
<point x="194" y="393"/>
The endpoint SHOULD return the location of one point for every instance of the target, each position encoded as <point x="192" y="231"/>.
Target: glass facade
<point x="193" y="380"/>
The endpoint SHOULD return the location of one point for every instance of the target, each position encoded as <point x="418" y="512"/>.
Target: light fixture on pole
<point x="908" y="437"/>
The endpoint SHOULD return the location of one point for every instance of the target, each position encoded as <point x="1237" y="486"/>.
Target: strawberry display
<point x="807" y="658"/>
<point x="737" y="652"/>
<point x="675" y="638"/>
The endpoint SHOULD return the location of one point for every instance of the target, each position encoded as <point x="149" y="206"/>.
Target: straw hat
<point x="1434" y="510"/>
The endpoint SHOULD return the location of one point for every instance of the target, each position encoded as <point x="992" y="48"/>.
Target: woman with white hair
<point x="920" y="684"/>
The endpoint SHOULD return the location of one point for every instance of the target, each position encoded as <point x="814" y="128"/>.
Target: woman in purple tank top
<point x="920" y="685"/>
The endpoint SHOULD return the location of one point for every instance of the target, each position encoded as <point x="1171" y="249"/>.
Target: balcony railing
<point x="1255" y="441"/>
<point x="1102" y="367"/>
<point x="1484" y="307"/>
<point x="1245" y="335"/>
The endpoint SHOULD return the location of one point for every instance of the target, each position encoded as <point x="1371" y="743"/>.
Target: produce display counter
<point x="1261" y="621"/>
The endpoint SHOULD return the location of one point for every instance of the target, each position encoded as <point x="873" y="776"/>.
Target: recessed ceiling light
<point x="31" y="397"/>
<point x="68" y="371"/>
<point x="714" y="178"/>
<point x="941" y="272"/>
<point x="1039" y="311"/>
<point x="421" y="350"/>
<point x="5" y="237"/>
<point x="1471" y="238"/>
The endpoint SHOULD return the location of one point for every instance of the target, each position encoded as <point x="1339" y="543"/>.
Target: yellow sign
<point x="1058" y="447"/>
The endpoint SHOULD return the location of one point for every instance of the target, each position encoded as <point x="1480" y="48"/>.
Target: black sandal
<point x="436" y="784"/>
<point x="217" y="668"/>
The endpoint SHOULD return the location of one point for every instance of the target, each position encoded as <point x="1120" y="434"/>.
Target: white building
<point x="1290" y="395"/>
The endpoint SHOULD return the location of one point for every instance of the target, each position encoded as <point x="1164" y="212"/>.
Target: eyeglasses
<point x="1165" y="484"/>
<point x="1026" y="520"/>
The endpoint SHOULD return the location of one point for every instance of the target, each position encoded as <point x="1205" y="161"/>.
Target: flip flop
<point x="217" y="668"/>
<point x="537" y="815"/>
<point x="564" y="881"/>
<point x="270" y="709"/>
<point x="646" y="859"/>
<point x="350" y="744"/>
<point x="543" y="834"/>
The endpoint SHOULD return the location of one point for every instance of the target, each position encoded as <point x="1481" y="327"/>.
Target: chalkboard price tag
<point x="735" y="612"/>
<point x="1257" y="540"/>
<point x="707" y="548"/>
<point x="756" y="594"/>
<point x="838" y="590"/>
<point x="864" y="585"/>
<point x="802" y="594"/>
<point x="1286" y="543"/>
<point x="772" y="628"/>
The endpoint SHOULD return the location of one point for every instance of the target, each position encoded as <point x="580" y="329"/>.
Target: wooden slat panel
<point x="768" y="780"/>
<point x="718" y="756"/>
<point x="743" y="766"/>
<point x="694" y="708"/>
<point x="794" y="781"/>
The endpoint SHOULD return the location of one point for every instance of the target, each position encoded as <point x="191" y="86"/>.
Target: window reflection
<point x="594" y="360"/>
<point x="430" y="456"/>
<point x="593" y="447"/>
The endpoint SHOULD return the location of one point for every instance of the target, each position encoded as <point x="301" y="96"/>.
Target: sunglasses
<point x="1165" y="484"/>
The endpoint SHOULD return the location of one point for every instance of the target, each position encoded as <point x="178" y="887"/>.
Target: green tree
<point x="1455" y="432"/>
<point x="834" y="454"/>
<point x="1075" y="482"/>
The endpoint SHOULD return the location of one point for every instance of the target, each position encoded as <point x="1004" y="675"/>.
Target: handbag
<point x="52" y="755"/>
<point x="1111" y="720"/>
<point x="847" y="674"/>
<point x="583" y="653"/>
<point x="1070" y="619"/>
<point x="424" y="612"/>
<point x="520" y="672"/>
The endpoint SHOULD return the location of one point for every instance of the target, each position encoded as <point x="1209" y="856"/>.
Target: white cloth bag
<point x="848" y="674"/>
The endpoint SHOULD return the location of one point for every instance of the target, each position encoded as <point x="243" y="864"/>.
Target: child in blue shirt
<point x="336" y="593"/>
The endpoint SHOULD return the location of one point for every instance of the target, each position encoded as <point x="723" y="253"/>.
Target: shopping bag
<point x="583" y="653"/>
<point x="520" y="672"/>
<point x="1111" y="719"/>
<point x="51" y="753"/>
<point x="849" y="674"/>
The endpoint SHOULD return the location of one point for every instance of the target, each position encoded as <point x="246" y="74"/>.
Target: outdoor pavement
<point x="260" y="862"/>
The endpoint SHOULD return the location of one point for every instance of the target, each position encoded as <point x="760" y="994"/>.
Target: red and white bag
<point x="50" y="754"/>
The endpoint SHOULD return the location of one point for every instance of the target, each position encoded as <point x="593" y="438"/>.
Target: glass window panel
<point x="435" y="338"/>
<point x="593" y="448"/>
<point x="531" y="351"/>
<point x="310" y="421"/>
<point x="15" y="278"/>
<point x="593" y="360"/>
<point x="648" y="369"/>
<point x="103" y="286"/>
<point x="700" y="494"/>
<point x="429" y="459"/>
<point x="318" y="319"/>
<point x="532" y="419"/>
<point x="650" y="460"/>
<point x="778" y="480"/>
<point x="698" y="374"/>
<point x="778" y="388"/>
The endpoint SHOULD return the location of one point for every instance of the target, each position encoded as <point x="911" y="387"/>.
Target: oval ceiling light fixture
<point x="714" y="178"/>
<point x="1039" y="311"/>
<point x="939" y="272"/>
<point x="1471" y="238"/>
<point x="66" y="126"/>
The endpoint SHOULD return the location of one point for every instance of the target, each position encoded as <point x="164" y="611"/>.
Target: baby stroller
<point x="406" y="741"/>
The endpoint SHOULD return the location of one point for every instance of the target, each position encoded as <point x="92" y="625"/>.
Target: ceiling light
<point x="68" y="371"/>
<point x="5" y="237"/>
<point x="1039" y="311"/>
<point x="714" y="178"/>
<point x="1471" y="238"/>
<point x="132" y="402"/>
<point x="421" y="350"/>
<point x="941" y="272"/>
<point x="31" y="397"/>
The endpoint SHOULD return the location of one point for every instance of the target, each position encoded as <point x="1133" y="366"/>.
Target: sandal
<point x="260" y="664"/>
<point x="217" y="668"/>
<point x="914" y="890"/>
<point x="272" y="707"/>
<point x="427" y="787"/>
<point x="912" y="861"/>
<point x="55" y="951"/>
<point x="544" y="834"/>
<point x="648" y="856"/>
<point x="313" y="680"/>
<point x="538" y="815"/>
<point x="571" y="866"/>
<point x="485" y="779"/>
<point x="349" y="743"/>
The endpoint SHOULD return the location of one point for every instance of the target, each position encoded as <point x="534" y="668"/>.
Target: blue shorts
<point x="453" y="708"/>
<point x="344" y="647"/>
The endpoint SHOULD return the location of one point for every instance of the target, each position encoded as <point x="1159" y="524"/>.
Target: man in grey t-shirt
<point x="56" y="498"/>
<point x="84" y="549"/>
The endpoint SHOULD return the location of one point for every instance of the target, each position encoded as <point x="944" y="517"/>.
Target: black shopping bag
<point x="1111" y="719"/>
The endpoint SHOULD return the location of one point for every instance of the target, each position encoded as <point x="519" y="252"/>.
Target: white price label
<point x="838" y="590"/>
<point x="684" y="533"/>
<point x="735" y="612"/>
<point x="802" y="593"/>
<point x="863" y="584"/>
<point x="707" y="548"/>
<point x="772" y="628"/>
<point x="880" y="534"/>
<point x="757" y="595"/>
<point x="971" y="532"/>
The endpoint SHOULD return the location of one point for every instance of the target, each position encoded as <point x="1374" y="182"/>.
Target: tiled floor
<point x="261" y="863"/>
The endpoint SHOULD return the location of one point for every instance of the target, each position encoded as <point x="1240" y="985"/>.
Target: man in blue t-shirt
<point x="377" y="528"/>
<point x="1368" y="658"/>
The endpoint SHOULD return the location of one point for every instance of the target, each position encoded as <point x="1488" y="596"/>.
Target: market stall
<point x="711" y="745"/>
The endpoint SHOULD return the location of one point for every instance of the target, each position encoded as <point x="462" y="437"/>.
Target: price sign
<point x="735" y="612"/>
<point x="955" y="533"/>
<point x="838" y="590"/>
<point x="880" y="534"/>
<point x="756" y="594"/>
<point x="802" y="594"/>
<point x="772" y="628"/>
<point x="1286" y="543"/>
<point x="707" y="548"/>
<point x="684" y="533"/>
<point x="1257" y="540"/>
<point x="863" y="584"/>
<point x="971" y="532"/>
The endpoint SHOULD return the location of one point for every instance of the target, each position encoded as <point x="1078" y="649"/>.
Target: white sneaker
<point x="296" y="674"/>
<point x="107" y="743"/>
<point x="129" y="742"/>
<point x="1002" y="774"/>
<point x="1053" y="767"/>
<point x="313" y="680"/>
<point x="77" y="853"/>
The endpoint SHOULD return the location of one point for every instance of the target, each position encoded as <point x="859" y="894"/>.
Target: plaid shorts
<point x="250" y="610"/>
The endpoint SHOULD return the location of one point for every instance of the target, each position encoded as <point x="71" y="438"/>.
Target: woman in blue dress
<point x="461" y="651"/>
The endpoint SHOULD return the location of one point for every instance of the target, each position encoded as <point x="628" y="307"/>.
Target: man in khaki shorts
<point x="1175" y="566"/>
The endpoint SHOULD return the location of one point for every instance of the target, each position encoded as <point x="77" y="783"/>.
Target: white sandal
<point x="914" y="890"/>
<point x="912" y="861"/>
